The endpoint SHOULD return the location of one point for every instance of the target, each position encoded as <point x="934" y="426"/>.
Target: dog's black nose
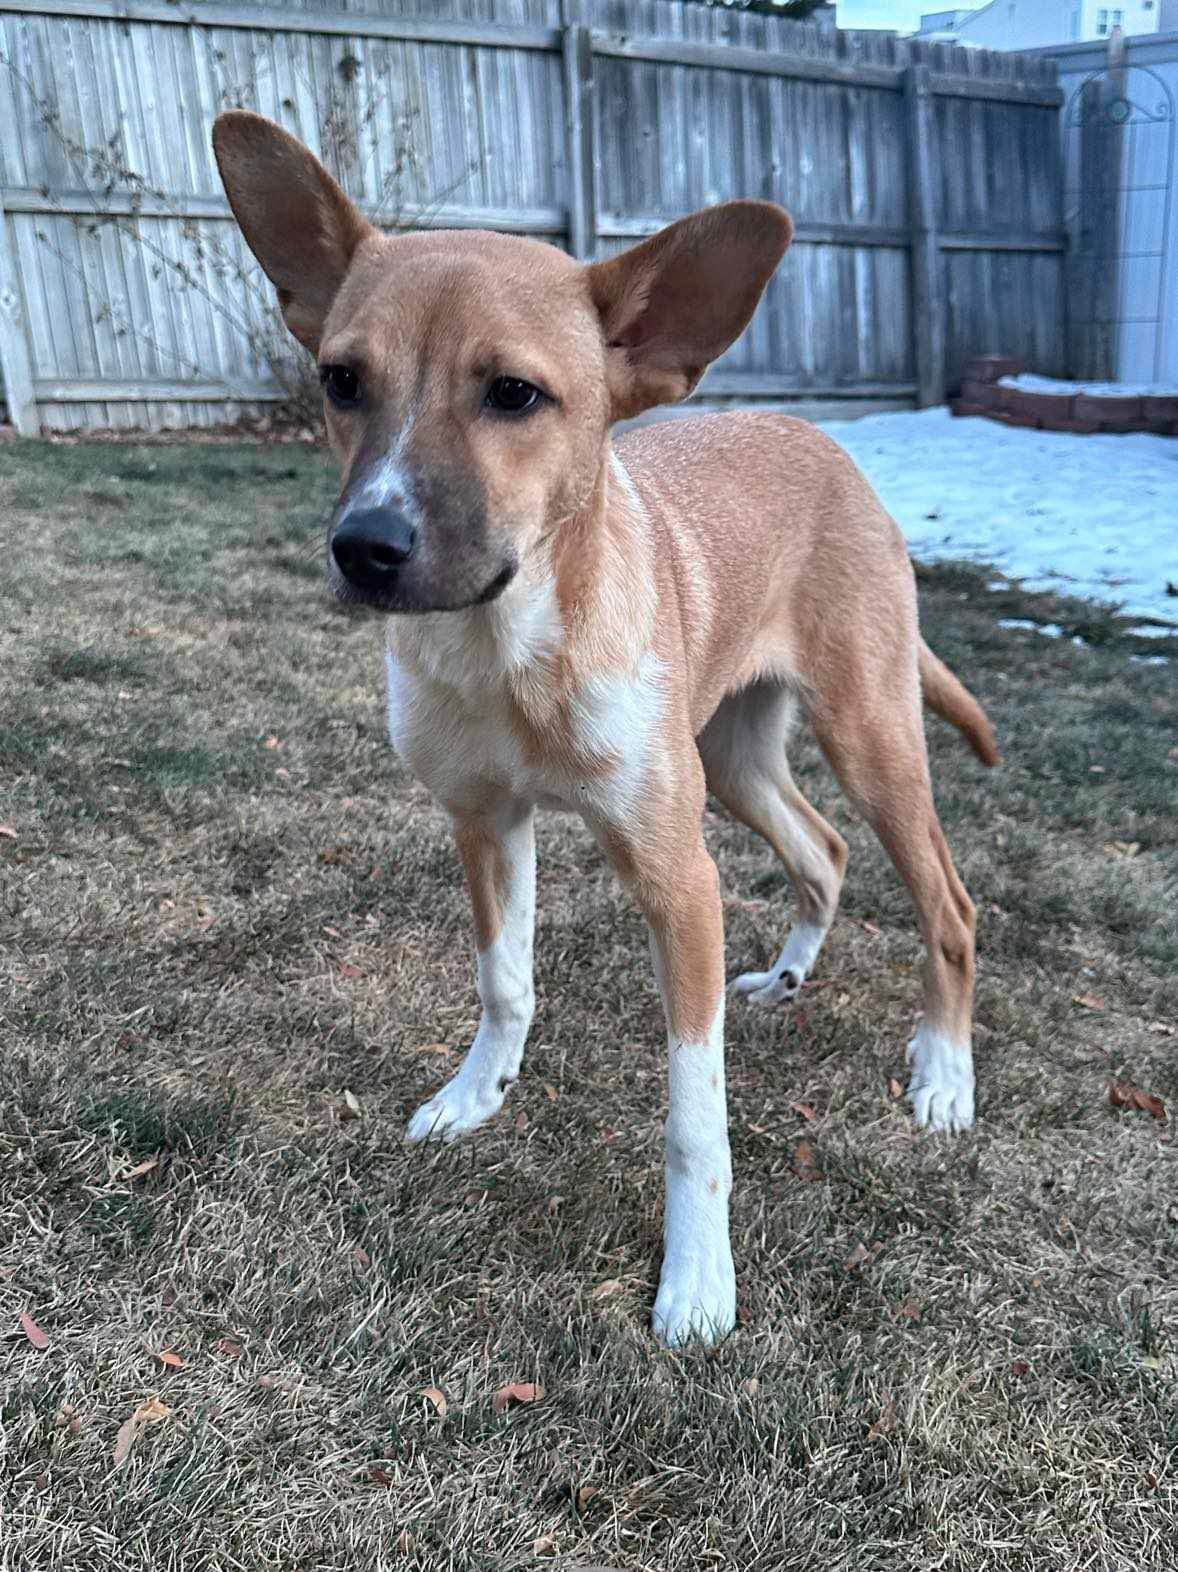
<point x="370" y="545"/>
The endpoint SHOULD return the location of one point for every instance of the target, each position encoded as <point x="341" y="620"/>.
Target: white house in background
<point x="1035" y="24"/>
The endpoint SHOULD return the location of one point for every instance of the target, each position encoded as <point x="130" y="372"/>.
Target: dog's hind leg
<point x="880" y="758"/>
<point x="499" y="857"/>
<point x="743" y="748"/>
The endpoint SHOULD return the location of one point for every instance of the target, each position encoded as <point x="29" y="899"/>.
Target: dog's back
<point x="777" y="545"/>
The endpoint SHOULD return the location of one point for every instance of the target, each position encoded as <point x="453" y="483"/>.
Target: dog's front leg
<point x="680" y="896"/>
<point x="499" y="856"/>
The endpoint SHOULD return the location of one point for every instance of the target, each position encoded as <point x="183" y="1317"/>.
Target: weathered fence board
<point x="128" y="298"/>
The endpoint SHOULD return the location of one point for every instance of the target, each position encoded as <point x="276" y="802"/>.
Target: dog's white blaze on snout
<point x="387" y="483"/>
<point x="503" y="971"/>
<point x="697" y="1287"/>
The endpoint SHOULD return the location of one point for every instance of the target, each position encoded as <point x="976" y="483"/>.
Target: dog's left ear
<point x="674" y="303"/>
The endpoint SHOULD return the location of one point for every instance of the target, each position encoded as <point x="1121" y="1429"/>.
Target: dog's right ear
<point x="295" y="219"/>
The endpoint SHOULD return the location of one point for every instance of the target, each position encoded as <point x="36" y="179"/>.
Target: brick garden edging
<point x="982" y="394"/>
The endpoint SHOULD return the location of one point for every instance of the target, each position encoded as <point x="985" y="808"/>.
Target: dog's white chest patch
<point x="614" y="720"/>
<point x="593" y="753"/>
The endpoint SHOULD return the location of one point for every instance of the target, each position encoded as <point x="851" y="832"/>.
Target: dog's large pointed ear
<point x="672" y="304"/>
<point x="295" y="219"/>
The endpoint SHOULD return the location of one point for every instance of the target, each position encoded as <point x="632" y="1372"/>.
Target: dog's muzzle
<point x="369" y="547"/>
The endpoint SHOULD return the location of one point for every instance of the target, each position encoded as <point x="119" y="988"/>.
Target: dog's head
<point x="470" y="378"/>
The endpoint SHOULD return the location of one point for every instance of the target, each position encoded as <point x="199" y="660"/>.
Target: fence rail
<point x="587" y="122"/>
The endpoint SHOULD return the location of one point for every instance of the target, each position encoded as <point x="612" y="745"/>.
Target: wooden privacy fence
<point x="924" y="181"/>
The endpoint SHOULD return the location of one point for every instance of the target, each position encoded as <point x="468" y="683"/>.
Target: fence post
<point x="14" y="342"/>
<point x="577" y="49"/>
<point x="1095" y="262"/>
<point x="928" y="299"/>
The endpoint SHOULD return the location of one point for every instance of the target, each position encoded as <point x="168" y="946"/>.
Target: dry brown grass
<point x="953" y="1354"/>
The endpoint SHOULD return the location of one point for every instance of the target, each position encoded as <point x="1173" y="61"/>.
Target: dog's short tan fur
<point x="657" y="612"/>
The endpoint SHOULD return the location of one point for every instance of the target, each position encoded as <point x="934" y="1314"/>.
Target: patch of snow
<point x="1033" y="384"/>
<point x="1085" y="515"/>
<point x="1051" y="630"/>
<point x="1151" y="660"/>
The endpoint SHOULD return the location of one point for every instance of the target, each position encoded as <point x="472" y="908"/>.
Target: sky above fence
<point x="901" y="15"/>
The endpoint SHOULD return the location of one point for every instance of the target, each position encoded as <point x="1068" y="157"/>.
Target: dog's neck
<point x="582" y="604"/>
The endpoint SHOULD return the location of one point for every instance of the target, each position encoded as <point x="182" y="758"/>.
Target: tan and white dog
<point x="619" y="628"/>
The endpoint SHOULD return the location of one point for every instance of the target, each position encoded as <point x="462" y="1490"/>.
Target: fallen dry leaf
<point x="894" y="1088"/>
<point x="226" y="1346"/>
<point x="272" y="742"/>
<point x="361" y="1258"/>
<point x="171" y="1359"/>
<point x="1088" y="1000"/>
<point x="7" y="831"/>
<point x="611" y="1285"/>
<point x="379" y="1476"/>
<point x="1123" y="848"/>
<point x="1020" y="1367"/>
<point x="404" y="1542"/>
<point x="885" y="1423"/>
<point x="804" y="1109"/>
<point x="349" y="969"/>
<point x="544" y="1546"/>
<point x="751" y="1387"/>
<point x="32" y="1331"/>
<point x="1122" y="1095"/>
<point x="804" y="1165"/>
<point x="350" y="1107"/>
<point x="434" y="1048"/>
<point x="68" y="1415"/>
<point x="148" y="1413"/>
<point x="857" y="1257"/>
<point x="584" y="1495"/>
<point x="434" y="1395"/>
<point x="516" y="1392"/>
<point x="521" y="1122"/>
<point x="909" y="1309"/>
<point x="144" y="1167"/>
<point x="550" y="1092"/>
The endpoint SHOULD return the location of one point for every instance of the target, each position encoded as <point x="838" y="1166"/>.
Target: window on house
<point x="1118" y="18"/>
<point x="1102" y="22"/>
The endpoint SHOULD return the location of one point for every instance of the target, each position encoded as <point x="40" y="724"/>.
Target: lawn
<point x="236" y="958"/>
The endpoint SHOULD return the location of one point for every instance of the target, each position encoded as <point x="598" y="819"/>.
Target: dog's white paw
<point x="459" y="1106"/>
<point x="941" y="1085"/>
<point x="696" y="1301"/>
<point x="769" y="987"/>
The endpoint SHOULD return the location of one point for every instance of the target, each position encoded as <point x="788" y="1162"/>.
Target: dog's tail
<point x="951" y="701"/>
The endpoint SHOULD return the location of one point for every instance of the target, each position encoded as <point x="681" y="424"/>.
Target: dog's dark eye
<point x="512" y="396"/>
<point x="341" y="384"/>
